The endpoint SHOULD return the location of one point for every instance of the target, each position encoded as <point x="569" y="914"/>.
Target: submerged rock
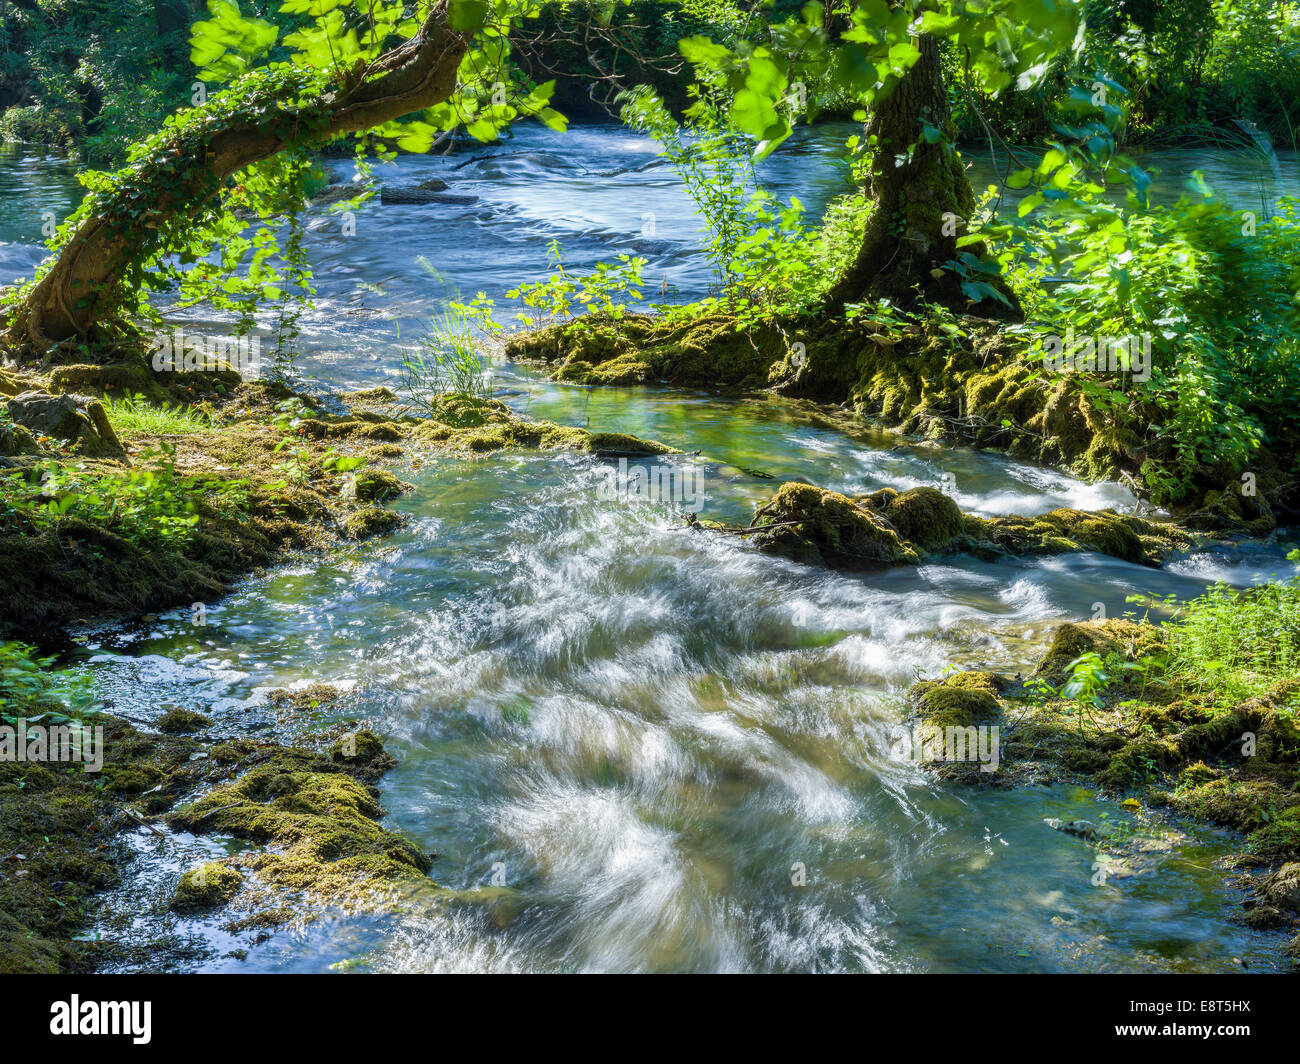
<point x="392" y="195"/>
<point x="1082" y="829"/>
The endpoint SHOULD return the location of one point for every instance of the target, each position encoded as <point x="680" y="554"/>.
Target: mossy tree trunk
<point x="921" y="201"/>
<point x="83" y="286"/>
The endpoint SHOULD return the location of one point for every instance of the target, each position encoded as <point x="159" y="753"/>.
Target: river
<point x="677" y="752"/>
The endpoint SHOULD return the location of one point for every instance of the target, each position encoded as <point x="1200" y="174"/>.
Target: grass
<point x="1237" y="644"/>
<point x="136" y="415"/>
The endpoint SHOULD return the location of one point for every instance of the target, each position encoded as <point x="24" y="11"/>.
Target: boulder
<point x="810" y="524"/>
<point x="1282" y="888"/>
<point x="78" y="419"/>
<point x="925" y="517"/>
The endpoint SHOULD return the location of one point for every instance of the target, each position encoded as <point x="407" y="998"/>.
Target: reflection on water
<point x="675" y="750"/>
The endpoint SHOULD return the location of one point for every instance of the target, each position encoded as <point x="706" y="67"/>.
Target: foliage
<point x="98" y="73"/>
<point x="1003" y="42"/>
<point x="146" y="505"/>
<point x="208" y="253"/>
<point x="1213" y="288"/>
<point x="30" y="684"/>
<point x="1237" y="644"/>
<point x="605" y="292"/>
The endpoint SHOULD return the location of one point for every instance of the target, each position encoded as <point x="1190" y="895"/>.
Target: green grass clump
<point x="134" y="414"/>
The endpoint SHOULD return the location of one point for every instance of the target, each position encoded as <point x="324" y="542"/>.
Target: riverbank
<point x="127" y="494"/>
<point x="307" y="810"/>
<point x="1195" y="718"/>
<point x="946" y="379"/>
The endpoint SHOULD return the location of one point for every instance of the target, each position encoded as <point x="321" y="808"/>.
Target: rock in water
<point x="390" y="195"/>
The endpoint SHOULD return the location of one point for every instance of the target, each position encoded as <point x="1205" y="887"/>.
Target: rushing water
<point x="649" y="734"/>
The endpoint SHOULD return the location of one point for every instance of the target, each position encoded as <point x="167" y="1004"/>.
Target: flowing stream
<point x="675" y="752"/>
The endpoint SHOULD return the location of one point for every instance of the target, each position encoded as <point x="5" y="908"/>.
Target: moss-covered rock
<point x="1244" y="804"/>
<point x="1282" y="887"/>
<point x="178" y="721"/>
<point x="924" y="517"/>
<point x="960" y="700"/>
<point x="321" y="819"/>
<point x="888" y="527"/>
<point x="371" y="521"/>
<point x="1120" y="636"/>
<point x="1129" y="538"/>
<point x="706" y="352"/>
<point x="208" y="886"/>
<point x="378" y="485"/>
<point x="812" y="524"/>
<point x="1279" y="839"/>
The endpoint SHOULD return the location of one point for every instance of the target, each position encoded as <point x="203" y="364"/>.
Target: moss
<point x="891" y="527"/>
<point x="304" y="699"/>
<point x="1244" y="804"/>
<point x="500" y="430"/>
<point x="925" y="517"/>
<point x="378" y="485"/>
<point x="56" y="839"/>
<point x="17" y="440"/>
<point x="1129" y="538"/>
<point x="371" y="521"/>
<point x="707" y="352"/>
<point x="208" y="886"/>
<point x="362" y="754"/>
<point x="811" y="524"/>
<point x="1127" y="638"/>
<point x="120" y="379"/>
<point x="1279" y="839"/>
<point x="78" y="570"/>
<point x="620" y="443"/>
<point x="1282" y="888"/>
<point x="320" y="817"/>
<point x="378" y="395"/>
<point x="177" y="721"/>
<point x="960" y="700"/>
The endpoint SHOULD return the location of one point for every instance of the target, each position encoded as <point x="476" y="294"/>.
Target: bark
<point x="906" y="243"/>
<point x="82" y="289"/>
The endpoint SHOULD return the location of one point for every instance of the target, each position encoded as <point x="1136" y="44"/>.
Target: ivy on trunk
<point x="921" y="203"/>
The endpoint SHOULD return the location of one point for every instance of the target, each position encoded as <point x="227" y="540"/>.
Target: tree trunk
<point x="921" y="202"/>
<point x="83" y="287"/>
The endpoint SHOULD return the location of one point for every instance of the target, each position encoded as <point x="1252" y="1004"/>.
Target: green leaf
<point x="467" y="16"/>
